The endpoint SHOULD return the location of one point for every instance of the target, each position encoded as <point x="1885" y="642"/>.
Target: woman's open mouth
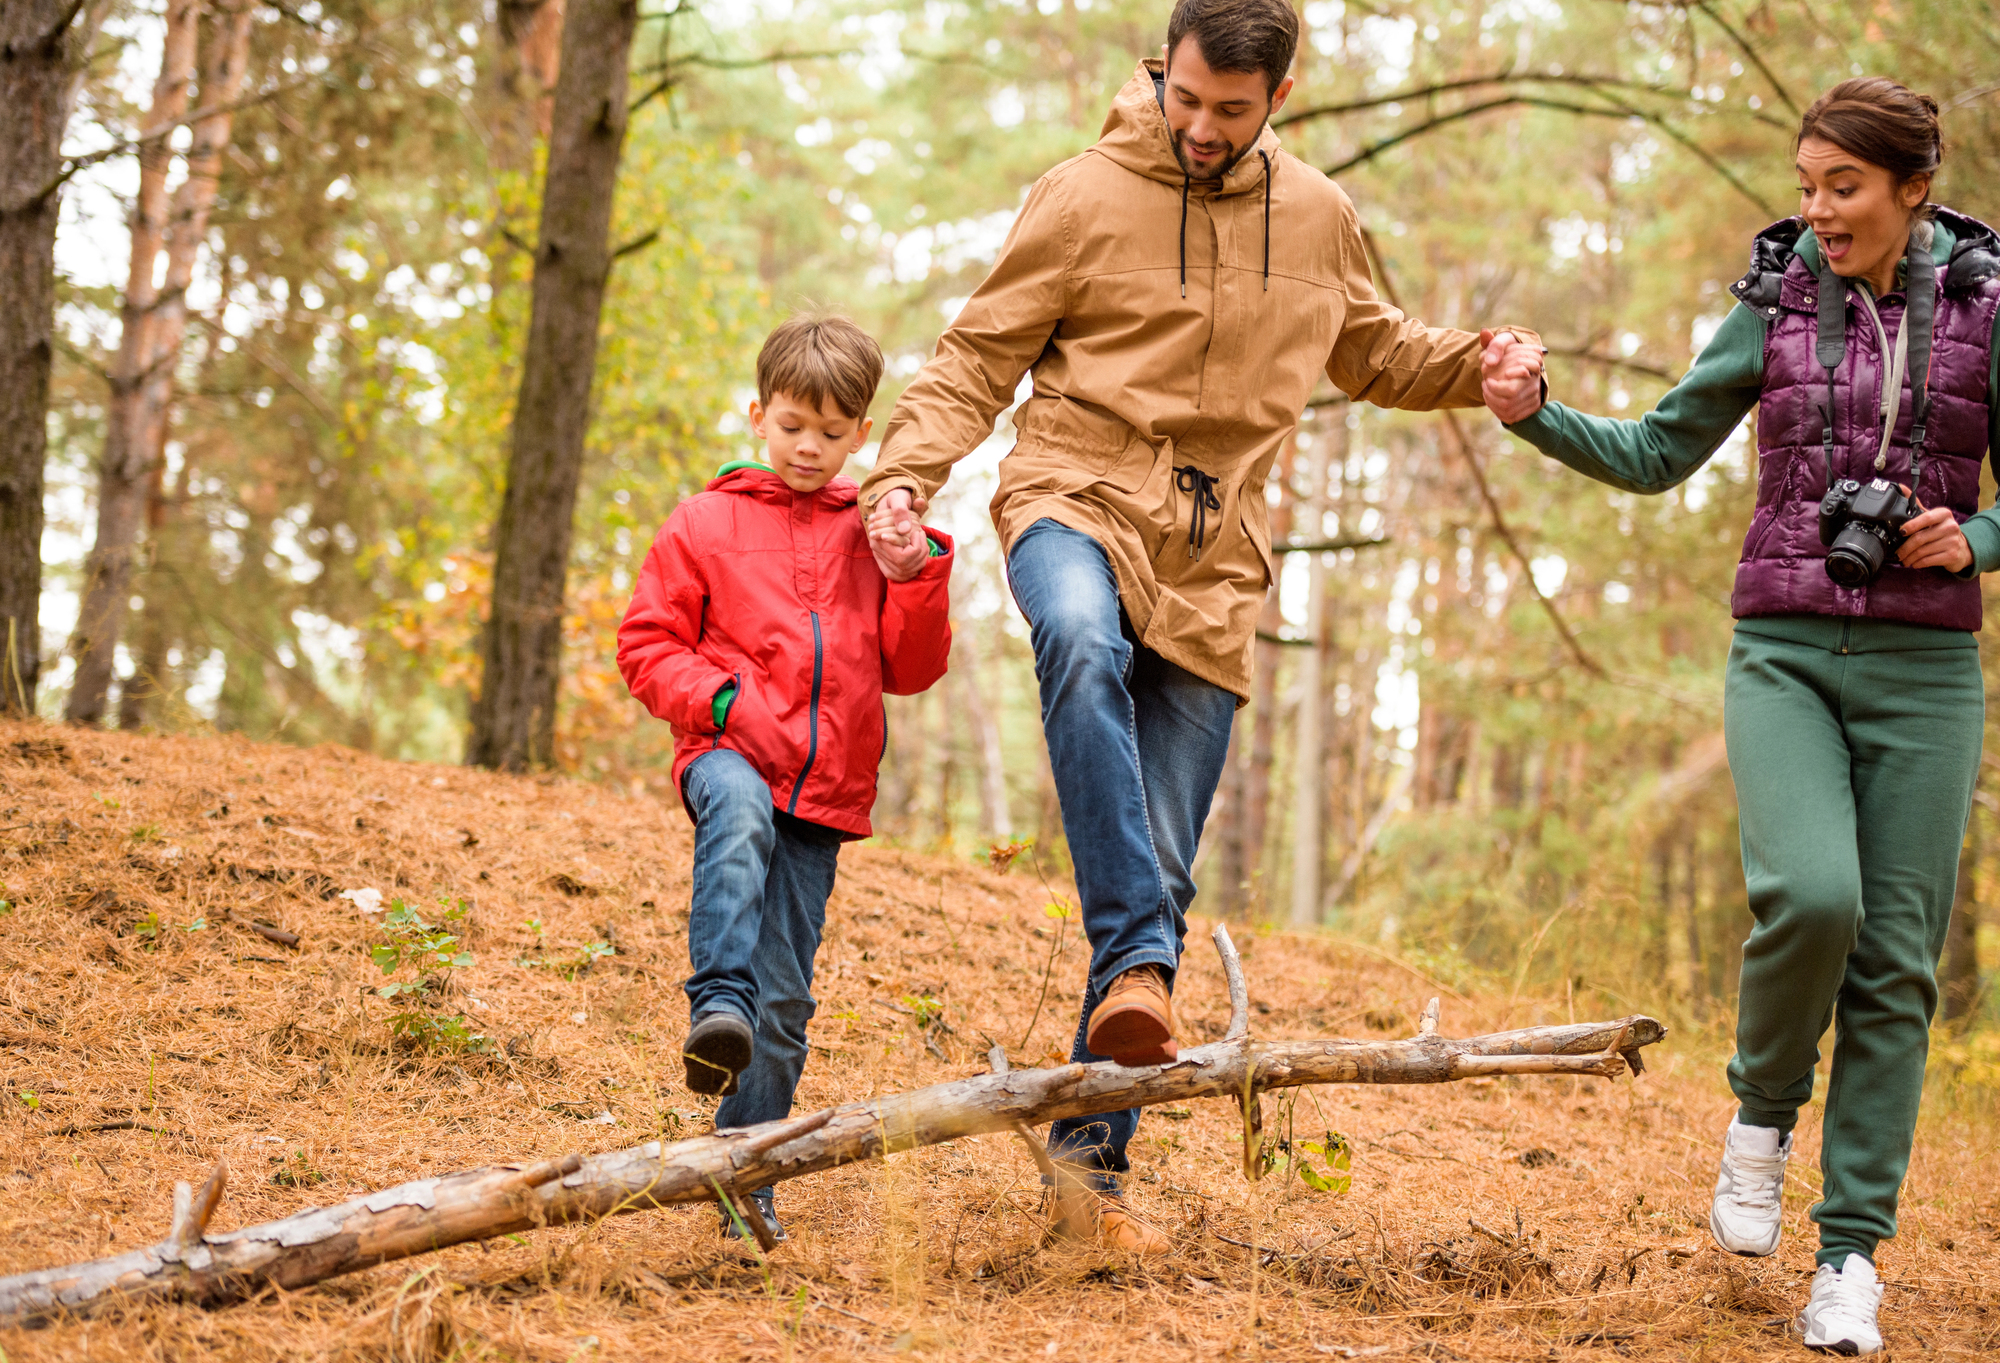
<point x="1836" y="245"/>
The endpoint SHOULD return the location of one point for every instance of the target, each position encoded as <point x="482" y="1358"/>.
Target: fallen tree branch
<point x="430" y="1214"/>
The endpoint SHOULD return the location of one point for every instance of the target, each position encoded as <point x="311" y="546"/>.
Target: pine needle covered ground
<point x="147" y="1025"/>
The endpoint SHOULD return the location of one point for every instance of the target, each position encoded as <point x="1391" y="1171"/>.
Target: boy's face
<point x="807" y="446"/>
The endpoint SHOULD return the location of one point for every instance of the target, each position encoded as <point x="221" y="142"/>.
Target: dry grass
<point x="144" y="1056"/>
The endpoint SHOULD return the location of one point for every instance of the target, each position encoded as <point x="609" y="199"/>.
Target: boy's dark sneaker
<point x="767" y="1202"/>
<point x="717" y="1051"/>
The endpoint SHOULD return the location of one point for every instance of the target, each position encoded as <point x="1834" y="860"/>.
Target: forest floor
<point x="143" y="1032"/>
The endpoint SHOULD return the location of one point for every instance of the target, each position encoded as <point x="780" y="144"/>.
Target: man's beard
<point x="1224" y="165"/>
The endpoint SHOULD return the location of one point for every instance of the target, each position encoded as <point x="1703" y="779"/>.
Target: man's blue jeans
<point x="761" y="882"/>
<point x="1136" y="745"/>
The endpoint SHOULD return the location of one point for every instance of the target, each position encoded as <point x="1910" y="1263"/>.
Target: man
<point x="1177" y="291"/>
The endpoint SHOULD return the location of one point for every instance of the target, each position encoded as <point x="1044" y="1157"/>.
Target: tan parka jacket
<point x="1170" y="365"/>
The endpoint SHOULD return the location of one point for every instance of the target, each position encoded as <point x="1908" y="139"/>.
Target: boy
<point x="765" y="627"/>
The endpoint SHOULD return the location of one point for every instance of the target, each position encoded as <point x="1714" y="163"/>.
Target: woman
<point x="1853" y="704"/>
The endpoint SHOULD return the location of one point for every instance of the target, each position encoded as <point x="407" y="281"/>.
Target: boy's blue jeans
<point x="761" y="882"/>
<point x="1136" y="745"/>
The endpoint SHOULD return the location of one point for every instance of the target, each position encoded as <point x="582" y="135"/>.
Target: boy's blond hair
<point x="816" y="356"/>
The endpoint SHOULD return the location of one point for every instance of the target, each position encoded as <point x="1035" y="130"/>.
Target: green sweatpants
<point x="1854" y="745"/>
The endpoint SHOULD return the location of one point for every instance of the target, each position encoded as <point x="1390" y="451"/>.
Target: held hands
<point x="896" y="537"/>
<point x="1510" y="376"/>
<point x="1932" y="539"/>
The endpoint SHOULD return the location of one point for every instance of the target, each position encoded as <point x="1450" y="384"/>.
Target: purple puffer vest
<point x="1783" y="568"/>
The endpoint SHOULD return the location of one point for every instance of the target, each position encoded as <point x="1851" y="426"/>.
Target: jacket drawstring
<point x="1184" y="199"/>
<point x="1188" y="478"/>
<point x="1266" y="159"/>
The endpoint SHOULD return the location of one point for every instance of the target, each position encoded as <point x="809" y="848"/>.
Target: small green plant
<point x="30" y="1100"/>
<point x="148" y="929"/>
<point x="1335" y="1153"/>
<point x="105" y="800"/>
<point x="199" y="925"/>
<point x="297" y="1172"/>
<point x="146" y="832"/>
<point x="432" y="1032"/>
<point x="927" y="1007"/>
<point x="569" y="966"/>
<point x="427" y="948"/>
<point x="6" y="905"/>
<point x="413" y="941"/>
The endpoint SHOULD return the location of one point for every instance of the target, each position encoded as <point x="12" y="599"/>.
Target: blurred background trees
<point x="1428" y="763"/>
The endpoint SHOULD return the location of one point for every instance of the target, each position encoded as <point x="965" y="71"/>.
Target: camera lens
<point x="1856" y="556"/>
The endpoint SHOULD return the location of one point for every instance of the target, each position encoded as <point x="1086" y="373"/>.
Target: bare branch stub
<point x="1239" y="992"/>
<point x="1428" y="1024"/>
<point x="193" y="1208"/>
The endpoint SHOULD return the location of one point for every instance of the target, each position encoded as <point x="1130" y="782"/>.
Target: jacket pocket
<point x="1251" y="514"/>
<point x="1088" y="440"/>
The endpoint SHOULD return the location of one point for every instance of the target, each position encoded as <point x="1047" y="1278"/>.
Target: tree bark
<point x="982" y="718"/>
<point x="153" y="327"/>
<point x="1308" y="754"/>
<point x="1264" y="705"/>
<point x="43" y="47"/>
<point x="525" y="73"/>
<point x="433" y="1213"/>
<point x="513" y="720"/>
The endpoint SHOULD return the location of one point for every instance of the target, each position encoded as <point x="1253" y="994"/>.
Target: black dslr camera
<point x="1861" y="526"/>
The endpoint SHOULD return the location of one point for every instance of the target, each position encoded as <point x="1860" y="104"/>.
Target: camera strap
<point x="1894" y="368"/>
<point x="1920" y="290"/>
<point x="1919" y="318"/>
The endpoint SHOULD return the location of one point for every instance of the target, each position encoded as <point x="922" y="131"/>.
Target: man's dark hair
<point x="1238" y="35"/>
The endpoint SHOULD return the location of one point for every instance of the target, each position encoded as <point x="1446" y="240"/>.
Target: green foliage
<point x="438" y="1033"/>
<point x="29" y="1099"/>
<point x="148" y="930"/>
<point x="146" y="832"/>
<point x="415" y="942"/>
<point x="428" y="948"/>
<point x="571" y="965"/>
<point x="1334" y="1153"/>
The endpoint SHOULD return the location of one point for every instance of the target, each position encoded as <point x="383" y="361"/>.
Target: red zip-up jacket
<point x="776" y="591"/>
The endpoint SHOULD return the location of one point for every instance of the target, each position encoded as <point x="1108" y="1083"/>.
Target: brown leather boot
<point x="1135" y="1023"/>
<point x="1095" y="1219"/>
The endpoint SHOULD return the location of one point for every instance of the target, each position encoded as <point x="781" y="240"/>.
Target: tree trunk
<point x="1264" y="698"/>
<point x="154" y="324"/>
<point x="985" y="725"/>
<point x="149" y="669"/>
<point x="1960" y="976"/>
<point x="513" y="720"/>
<point x="43" y="47"/>
<point x="430" y="1214"/>
<point x="1308" y="757"/>
<point x="1232" y="875"/>
<point x="525" y="73"/>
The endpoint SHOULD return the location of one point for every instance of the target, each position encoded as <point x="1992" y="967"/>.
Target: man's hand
<point x="895" y="536"/>
<point x="1510" y="376"/>
<point x="1933" y="540"/>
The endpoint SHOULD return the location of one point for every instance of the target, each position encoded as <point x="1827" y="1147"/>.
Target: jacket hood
<point x="752" y="479"/>
<point x="1968" y="254"/>
<point x="1135" y="136"/>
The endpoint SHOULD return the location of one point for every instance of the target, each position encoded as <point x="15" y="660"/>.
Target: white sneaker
<point x="1841" y="1316"/>
<point x="1746" y="1216"/>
